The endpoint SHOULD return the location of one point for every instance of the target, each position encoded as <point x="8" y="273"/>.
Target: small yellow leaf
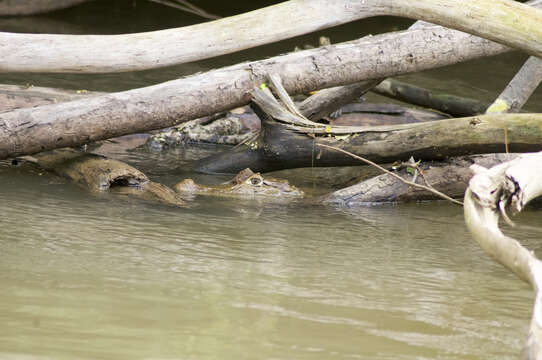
<point x="498" y="106"/>
<point x="263" y="86"/>
<point x="327" y="129"/>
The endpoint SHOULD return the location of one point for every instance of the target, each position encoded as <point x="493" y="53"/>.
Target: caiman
<point x="245" y="184"/>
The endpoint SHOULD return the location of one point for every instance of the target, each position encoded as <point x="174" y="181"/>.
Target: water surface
<point x="105" y="277"/>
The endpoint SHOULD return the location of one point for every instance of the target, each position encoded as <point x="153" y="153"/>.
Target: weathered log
<point x="228" y="128"/>
<point x="374" y="114"/>
<point x="520" y="89"/>
<point x="100" y="174"/>
<point x="490" y="191"/>
<point x="456" y="106"/>
<point x="17" y="97"/>
<point x="279" y="148"/>
<point x="160" y="106"/>
<point x="449" y="177"/>
<point x="326" y="101"/>
<point x="32" y="7"/>
<point x="510" y="23"/>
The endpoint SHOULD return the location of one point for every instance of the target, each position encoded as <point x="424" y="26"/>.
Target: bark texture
<point x="28" y="131"/>
<point x="509" y="22"/>
<point x="100" y="174"/>
<point x="279" y="148"/>
<point x="32" y="7"/>
<point x="449" y="104"/>
<point x="17" y="97"/>
<point x="450" y="177"/>
<point x="518" y="91"/>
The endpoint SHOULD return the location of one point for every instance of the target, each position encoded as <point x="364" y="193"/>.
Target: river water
<point x="104" y="277"/>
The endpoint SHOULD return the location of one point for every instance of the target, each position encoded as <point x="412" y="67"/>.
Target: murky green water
<point x="103" y="277"/>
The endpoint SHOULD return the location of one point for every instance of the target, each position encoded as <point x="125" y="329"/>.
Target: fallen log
<point x="78" y="122"/>
<point x="288" y="140"/>
<point x="510" y="185"/>
<point x="520" y="88"/>
<point x="33" y="7"/>
<point x="17" y="97"/>
<point x="456" y="106"/>
<point x="280" y="148"/>
<point x="450" y="177"/>
<point x="99" y="174"/>
<point x="517" y="25"/>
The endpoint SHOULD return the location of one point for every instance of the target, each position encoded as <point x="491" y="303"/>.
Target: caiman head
<point x="246" y="183"/>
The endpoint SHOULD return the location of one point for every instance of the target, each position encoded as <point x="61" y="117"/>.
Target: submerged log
<point x="449" y="177"/>
<point x="99" y="174"/>
<point x="516" y="26"/>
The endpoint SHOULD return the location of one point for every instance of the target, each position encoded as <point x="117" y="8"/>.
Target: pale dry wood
<point x="32" y="7"/>
<point x="520" y="88"/>
<point x="450" y="177"/>
<point x="78" y="122"/>
<point x="505" y="21"/>
<point x="513" y="183"/>
<point x="16" y="97"/>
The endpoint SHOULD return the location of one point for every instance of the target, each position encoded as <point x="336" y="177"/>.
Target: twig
<point x="434" y="191"/>
<point x="187" y="7"/>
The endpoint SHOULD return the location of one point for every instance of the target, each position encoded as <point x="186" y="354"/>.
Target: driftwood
<point x="374" y="114"/>
<point x="32" y="7"/>
<point x="171" y="103"/>
<point x="490" y="191"/>
<point x="450" y="177"/>
<point x="285" y="142"/>
<point x="17" y="97"/>
<point x="517" y="26"/>
<point x="518" y="91"/>
<point x="229" y="128"/>
<point x="100" y="174"/>
<point x="454" y="105"/>
<point x="280" y="148"/>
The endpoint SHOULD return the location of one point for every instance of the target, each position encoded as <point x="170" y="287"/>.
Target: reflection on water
<point x="103" y="277"/>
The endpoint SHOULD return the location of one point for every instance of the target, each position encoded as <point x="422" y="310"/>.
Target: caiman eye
<point x="255" y="181"/>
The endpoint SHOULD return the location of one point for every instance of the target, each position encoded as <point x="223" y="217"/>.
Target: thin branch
<point x="186" y="6"/>
<point x="427" y="188"/>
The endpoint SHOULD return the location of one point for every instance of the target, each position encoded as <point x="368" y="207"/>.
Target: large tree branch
<point x="520" y="89"/>
<point x="32" y="7"/>
<point x="78" y="122"/>
<point x="511" y="23"/>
